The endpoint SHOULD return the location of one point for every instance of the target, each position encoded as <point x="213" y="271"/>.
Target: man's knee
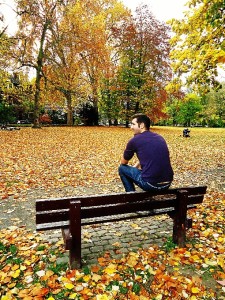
<point x="121" y="169"/>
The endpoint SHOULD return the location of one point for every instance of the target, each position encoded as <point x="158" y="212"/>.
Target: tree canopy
<point x="96" y="58"/>
<point x="198" y="48"/>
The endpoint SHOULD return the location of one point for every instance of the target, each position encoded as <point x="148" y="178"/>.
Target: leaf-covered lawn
<point x="59" y="157"/>
<point x="54" y="158"/>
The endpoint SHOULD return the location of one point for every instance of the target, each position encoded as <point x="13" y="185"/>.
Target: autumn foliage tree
<point x="33" y="33"/>
<point x="143" y="68"/>
<point x="198" y="47"/>
<point x="80" y="51"/>
<point x="97" y="42"/>
<point x="61" y="70"/>
<point x="97" y="53"/>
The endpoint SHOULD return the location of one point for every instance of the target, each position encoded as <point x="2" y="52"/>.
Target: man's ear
<point x="142" y="125"/>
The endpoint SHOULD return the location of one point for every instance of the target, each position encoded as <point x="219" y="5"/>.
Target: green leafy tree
<point x="109" y="102"/>
<point x="214" y="108"/>
<point x="17" y="92"/>
<point x="189" y="110"/>
<point x="172" y="111"/>
<point x="6" y="113"/>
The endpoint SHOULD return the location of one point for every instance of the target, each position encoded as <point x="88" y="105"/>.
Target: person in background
<point x="186" y="132"/>
<point x="153" y="171"/>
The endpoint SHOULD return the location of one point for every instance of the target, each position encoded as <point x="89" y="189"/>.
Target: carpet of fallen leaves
<point x="59" y="157"/>
<point x="52" y="158"/>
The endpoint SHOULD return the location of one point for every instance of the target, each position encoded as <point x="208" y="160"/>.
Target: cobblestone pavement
<point x="118" y="238"/>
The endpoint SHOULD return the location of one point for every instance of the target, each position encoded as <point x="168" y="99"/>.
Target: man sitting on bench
<point x="153" y="170"/>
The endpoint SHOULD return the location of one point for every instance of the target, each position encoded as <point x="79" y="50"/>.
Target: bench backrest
<point x="54" y="213"/>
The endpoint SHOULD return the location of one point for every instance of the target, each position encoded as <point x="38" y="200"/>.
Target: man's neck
<point x="143" y="130"/>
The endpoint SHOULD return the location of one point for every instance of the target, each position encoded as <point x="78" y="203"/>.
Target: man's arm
<point x="124" y="161"/>
<point x="128" y="152"/>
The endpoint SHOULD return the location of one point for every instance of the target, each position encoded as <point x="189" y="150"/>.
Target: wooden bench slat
<point x="53" y="225"/>
<point x="113" y="218"/>
<point x="104" y="210"/>
<point x="63" y="203"/>
<point x="125" y="208"/>
<point x="52" y="216"/>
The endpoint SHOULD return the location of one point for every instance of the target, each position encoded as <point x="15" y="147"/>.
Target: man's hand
<point x="137" y="165"/>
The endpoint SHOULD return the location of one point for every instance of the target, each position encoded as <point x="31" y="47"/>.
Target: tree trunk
<point x="96" y="116"/>
<point x="36" y="123"/>
<point x="137" y="107"/>
<point x="127" y="113"/>
<point x="69" y="110"/>
<point x="38" y="76"/>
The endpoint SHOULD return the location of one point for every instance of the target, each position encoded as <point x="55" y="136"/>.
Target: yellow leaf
<point x="195" y="258"/>
<point x="16" y="273"/>
<point x="15" y="267"/>
<point x="86" y="278"/>
<point x="102" y="297"/>
<point x="220" y="239"/>
<point x="51" y="298"/>
<point x="220" y="261"/>
<point x="73" y="296"/>
<point x="187" y="254"/>
<point x="195" y="290"/>
<point x="132" y="261"/>
<point x="25" y="248"/>
<point x="49" y="273"/>
<point x="27" y="262"/>
<point x="210" y="262"/>
<point x="135" y="226"/>
<point x="96" y="277"/>
<point x="64" y="279"/>
<point x="111" y="269"/>
<point x="22" y="268"/>
<point x="117" y="244"/>
<point x="5" y="298"/>
<point x="69" y="286"/>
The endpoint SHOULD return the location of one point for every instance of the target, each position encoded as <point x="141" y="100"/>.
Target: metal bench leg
<point x="179" y="220"/>
<point x="75" y="230"/>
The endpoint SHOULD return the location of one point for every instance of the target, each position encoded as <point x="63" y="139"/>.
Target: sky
<point x="9" y="15"/>
<point x="163" y="10"/>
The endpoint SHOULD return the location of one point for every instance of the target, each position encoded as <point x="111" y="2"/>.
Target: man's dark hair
<point x="141" y="118"/>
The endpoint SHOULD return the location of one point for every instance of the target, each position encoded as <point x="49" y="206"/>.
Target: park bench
<point x="71" y="213"/>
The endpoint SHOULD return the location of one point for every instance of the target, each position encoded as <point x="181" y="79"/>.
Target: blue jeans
<point x="131" y="175"/>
